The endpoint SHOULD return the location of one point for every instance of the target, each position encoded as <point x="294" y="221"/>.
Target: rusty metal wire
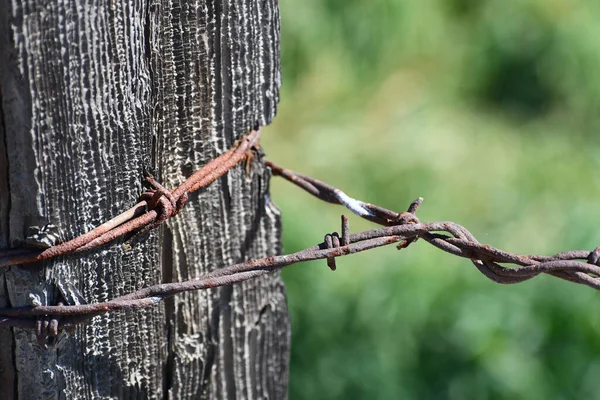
<point x="156" y="206"/>
<point x="459" y="241"/>
<point x="49" y="320"/>
<point x="402" y="228"/>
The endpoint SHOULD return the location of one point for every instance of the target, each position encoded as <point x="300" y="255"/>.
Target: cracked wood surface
<point x="91" y="96"/>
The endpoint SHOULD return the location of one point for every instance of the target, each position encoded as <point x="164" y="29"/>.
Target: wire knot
<point x="47" y="329"/>
<point x="594" y="257"/>
<point x="408" y="217"/>
<point x="334" y="241"/>
<point x="162" y="201"/>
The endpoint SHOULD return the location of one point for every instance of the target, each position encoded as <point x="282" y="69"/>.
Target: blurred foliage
<point x="489" y="110"/>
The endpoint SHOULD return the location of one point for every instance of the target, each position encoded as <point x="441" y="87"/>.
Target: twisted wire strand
<point x="156" y="206"/>
<point x="461" y="242"/>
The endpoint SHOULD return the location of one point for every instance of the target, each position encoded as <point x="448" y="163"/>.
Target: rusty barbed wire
<point x="156" y="206"/>
<point x="461" y="243"/>
<point x="403" y="228"/>
<point x="48" y="320"/>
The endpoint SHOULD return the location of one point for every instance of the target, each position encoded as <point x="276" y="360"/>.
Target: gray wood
<point x="91" y="95"/>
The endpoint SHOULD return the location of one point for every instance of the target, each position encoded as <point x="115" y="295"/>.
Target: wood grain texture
<point x="7" y="343"/>
<point x="93" y="93"/>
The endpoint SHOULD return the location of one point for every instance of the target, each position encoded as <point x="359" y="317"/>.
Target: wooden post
<point x="91" y="96"/>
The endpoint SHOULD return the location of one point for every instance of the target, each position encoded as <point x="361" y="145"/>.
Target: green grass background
<point x="489" y="110"/>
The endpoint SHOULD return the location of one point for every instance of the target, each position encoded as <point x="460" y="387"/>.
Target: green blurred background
<point x="490" y="111"/>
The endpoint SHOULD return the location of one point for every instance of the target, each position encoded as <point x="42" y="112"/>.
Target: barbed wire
<point x="156" y="206"/>
<point x="461" y="243"/>
<point x="402" y="228"/>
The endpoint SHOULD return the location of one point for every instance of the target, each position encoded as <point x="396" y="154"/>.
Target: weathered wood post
<point x="93" y="93"/>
